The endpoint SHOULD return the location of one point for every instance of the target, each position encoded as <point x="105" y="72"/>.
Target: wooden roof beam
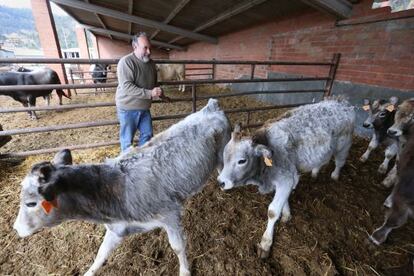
<point x="174" y="12"/>
<point x="339" y="8"/>
<point x="129" y="37"/>
<point x="135" y="19"/>
<point x="100" y="21"/>
<point x="244" y="6"/>
<point x="130" y="9"/>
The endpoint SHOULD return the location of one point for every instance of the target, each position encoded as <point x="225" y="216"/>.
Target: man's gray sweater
<point x="136" y="79"/>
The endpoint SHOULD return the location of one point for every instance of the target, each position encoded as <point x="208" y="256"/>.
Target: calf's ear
<point x="49" y="191"/>
<point x="263" y="151"/>
<point x="236" y="134"/>
<point x="46" y="179"/>
<point x="63" y="157"/>
<point x="394" y="100"/>
<point x="375" y="104"/>
<point x="43" y="170"/>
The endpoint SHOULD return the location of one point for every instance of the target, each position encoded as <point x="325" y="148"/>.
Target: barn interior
<point x="331" y="221"/>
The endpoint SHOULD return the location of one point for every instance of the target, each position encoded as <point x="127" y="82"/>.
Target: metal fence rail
<point x="108" y="123"/>
<point x="190" y="82"/>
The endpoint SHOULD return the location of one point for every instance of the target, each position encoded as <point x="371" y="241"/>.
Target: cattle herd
<point x="145" y="187"/>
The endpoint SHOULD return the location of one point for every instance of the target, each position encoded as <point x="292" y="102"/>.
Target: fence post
<point x="252" y="71"/>
<point x="332" y="72"/>
<point x="213" y="73"/>
<point x="194" y="97"/>
<point x="71" y="79"/>
<point x="248" y="118"/>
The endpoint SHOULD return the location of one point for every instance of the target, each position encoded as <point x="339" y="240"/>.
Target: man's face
<point x="142" y="49"/>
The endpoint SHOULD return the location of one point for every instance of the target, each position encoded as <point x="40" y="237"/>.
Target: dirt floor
<point x="327" y="234"/>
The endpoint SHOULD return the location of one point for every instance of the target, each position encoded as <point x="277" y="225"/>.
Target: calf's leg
<point x="391" y="178"/>
<point x="390" y="153"/>
<point x="342" y="150"/>
<point x="373" y="144"/>
<point x="283" y="190"/>
<point x="109" y="244"/>
<point x="388" y="201"/>
<point x="286" y="212"/>
<point x="396" y="217"/>
<point x="176" y="239"/>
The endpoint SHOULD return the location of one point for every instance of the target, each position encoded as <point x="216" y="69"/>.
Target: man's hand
<point x="156" y="92"/>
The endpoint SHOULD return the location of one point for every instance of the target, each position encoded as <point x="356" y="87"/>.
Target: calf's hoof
<point x="374" y="241"/>
<point x="89" y="273"/>
<point x="185" y="272"/>
<point x="388" y="182"/>
<point x="382" y="169"/>
<point x="363" y="159"/>
<point x="263" y="254"/>
<point x="388" y="203"/>
<point x="335" y="176"/>
<point x="285" y="218"/>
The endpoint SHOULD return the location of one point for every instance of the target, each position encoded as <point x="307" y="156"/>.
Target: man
<point x="137" y="86"/>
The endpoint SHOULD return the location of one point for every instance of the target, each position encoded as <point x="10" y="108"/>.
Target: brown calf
<point x="402" y="196"/>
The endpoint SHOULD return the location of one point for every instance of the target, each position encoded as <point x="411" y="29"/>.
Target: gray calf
<point x="303" y="140"/>
<point x="380" y="117"/>
<point x="140" y="191"/>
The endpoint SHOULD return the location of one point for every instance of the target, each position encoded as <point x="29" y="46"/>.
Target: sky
<point x="26" y="4"/>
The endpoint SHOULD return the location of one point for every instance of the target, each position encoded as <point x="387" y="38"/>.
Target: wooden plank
<point x="339" y="8"/>
<point x="225" y="15"/>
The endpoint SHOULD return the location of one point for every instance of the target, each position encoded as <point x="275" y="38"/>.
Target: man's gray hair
<point x="138" y="35"/>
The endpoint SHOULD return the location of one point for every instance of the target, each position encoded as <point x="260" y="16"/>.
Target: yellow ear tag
<point x="390" y="108"/>
<point x="268" y="161"/>
<point x="48" y="205"/>
<point x="365" y="107"/>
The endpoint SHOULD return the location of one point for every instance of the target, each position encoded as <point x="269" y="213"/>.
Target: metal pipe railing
<point x="193" y="83"/>
<point x="186" y="82"/>
<point x="160" y="61"/>
<point x="115" y="122"/>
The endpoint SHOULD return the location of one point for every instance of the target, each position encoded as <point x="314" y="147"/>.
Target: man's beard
<point x="145" y="59"/>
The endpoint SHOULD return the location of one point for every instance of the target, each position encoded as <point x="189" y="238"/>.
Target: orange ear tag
<point x="48" y="205"/>
<point x="268" y="161"/>
<point x="390" y="108"/>
<point x="365" y="107"/>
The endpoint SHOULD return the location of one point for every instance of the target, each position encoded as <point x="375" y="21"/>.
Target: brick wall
<point x="45" y="26"/>
<point x="116" y="49"/>
<point x="380" y="54"/>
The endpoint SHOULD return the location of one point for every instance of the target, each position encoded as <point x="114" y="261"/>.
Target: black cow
<point x="23" y="69"/>
<point x="36" y="77"/>
<point x="99" y="72"/>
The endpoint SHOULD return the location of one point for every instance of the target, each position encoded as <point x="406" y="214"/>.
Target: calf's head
<point x="380" y="112"/>
<point x="404" y="118"/>
<point x="38" y="197"/>
<point x="242" y="160"/>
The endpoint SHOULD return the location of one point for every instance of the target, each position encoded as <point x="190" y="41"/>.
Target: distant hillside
<point x="13" y="20"/>
<point x="19" y="30"/>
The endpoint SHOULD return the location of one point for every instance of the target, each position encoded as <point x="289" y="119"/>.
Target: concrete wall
<point x="354" y="92"/>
